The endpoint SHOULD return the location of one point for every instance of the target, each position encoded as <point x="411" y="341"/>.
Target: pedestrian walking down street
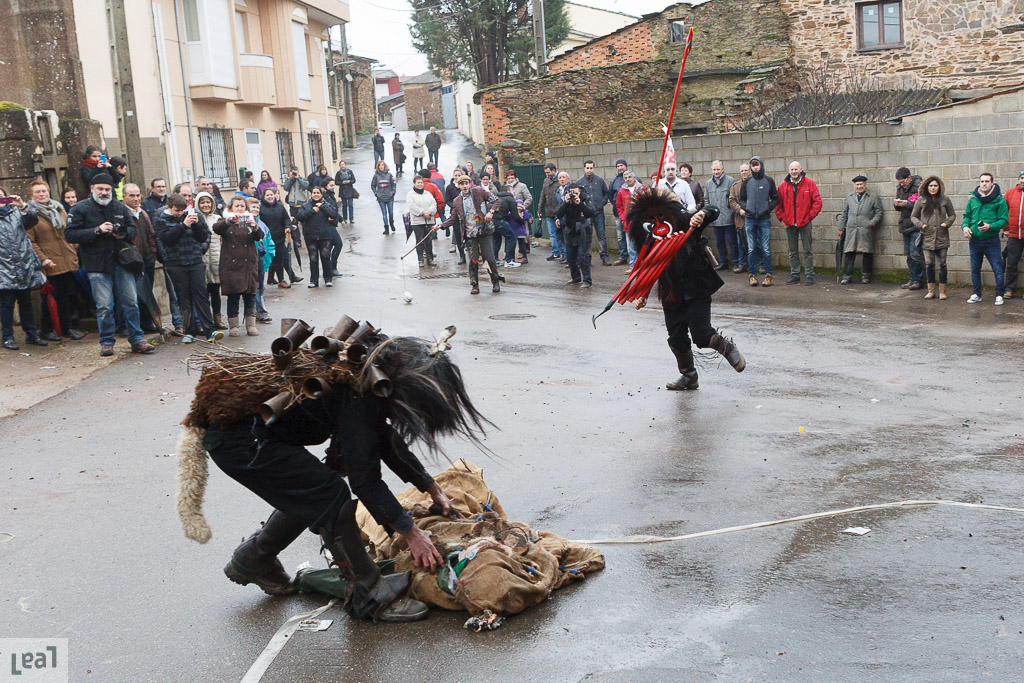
<point x="238" y="269"/>
<point x="907" y="188"/>
<point x="422" y="207"/>
<point x="1014" y="199"/>
<point x="102" y="227"/>
<point x="742" y="247"/>
<point x="183" y="236"/>
<point x="345" y="179"/>
<point x="59" y="259"/>
<point x="933" y="215"/>
<point x="433" y="143"/>
<point x="758" y="198"/>
<point x="576" y="217"/>
<point x="208" y="207"/>
<point x="686" y="285"/>
<point x="317" y="179"/>
<point x="398" y="151"/>
<point x="985" y="216"/>
<point x="861" y="216"/>
<point x="266" y="183"/>
<point x="716" y="193"/>
<point x="20" y="270"/>
<point x="799" y="204"/>
<point x="418" y="152"/>
<point x="315" y="216"/>
<point x="470" y="208"/>
<point x="383" y="186"/>
<point x="378" y="146"/>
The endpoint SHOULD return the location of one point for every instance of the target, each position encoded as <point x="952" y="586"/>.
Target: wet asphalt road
<point x="590" y="446"/>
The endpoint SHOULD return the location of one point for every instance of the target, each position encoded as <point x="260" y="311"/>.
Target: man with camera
<point x="104" y="230"/>
<point x="576" y="217"/>
<point x="184" y="237"/>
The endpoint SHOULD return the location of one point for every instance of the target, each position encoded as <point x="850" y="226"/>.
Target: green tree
<point x="486" y="41"/>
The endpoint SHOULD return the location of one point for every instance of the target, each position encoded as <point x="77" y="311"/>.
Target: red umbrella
<point x="51" y="305"/>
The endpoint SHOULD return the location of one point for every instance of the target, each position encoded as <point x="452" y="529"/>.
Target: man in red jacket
<point x="1015" y="232"/>
<point x="799" y="204"/>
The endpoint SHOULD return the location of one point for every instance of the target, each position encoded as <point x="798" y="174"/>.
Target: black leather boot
<point x="495" y="283"/>
<point x="369" y="595"/>
<point x="729" y="351"/>
<point x="688" y="373"/>
<point x="255" y="561"/>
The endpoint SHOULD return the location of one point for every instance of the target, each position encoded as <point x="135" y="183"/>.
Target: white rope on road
<point x="277" y="643"/>
<point x="8" y="534"/>
<point x="801" y="518"/>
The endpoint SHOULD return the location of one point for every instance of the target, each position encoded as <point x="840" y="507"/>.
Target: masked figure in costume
<point x="266" y="452"/>
<point x="687" y="283"/>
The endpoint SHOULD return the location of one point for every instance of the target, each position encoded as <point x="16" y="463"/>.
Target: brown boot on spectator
<point x="942" y="291"/>
<point x="233" y="326"/>
<point x="250" y="326"/>
<point x="931" y="291"/>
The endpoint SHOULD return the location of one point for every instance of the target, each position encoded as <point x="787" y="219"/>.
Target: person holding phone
<point x="315" y="216"/>
<point x="20" y="270"/>
<point x="985" y="216"/>
<point x="238" y="268"/>
<point x="94" y="161"/>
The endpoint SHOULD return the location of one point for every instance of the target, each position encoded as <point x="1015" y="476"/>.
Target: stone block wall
<point x="363" y="98"/>
<point x="947" y="43"/>
<point x="606" y="103"/>
<point x="422" y="100"/>
<point x="957" y="143"/>
<point x="726" y="34"/>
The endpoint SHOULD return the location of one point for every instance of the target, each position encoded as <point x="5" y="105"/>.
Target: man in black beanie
<point x="102" y="227"/>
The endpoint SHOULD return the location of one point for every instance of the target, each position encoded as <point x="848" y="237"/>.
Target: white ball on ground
<point x="408" y="297"/>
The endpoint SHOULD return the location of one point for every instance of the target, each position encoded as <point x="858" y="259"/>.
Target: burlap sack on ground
<point x="516" y="570"/>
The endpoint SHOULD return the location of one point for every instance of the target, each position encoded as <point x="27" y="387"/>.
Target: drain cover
<point x="512" y="316"/>
<point x="442" y="276"/>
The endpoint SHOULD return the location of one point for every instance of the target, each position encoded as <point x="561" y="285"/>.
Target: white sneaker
<point x="999" y="301"/>
<point x="512" y="264"/>
<point x="974" y="299"/>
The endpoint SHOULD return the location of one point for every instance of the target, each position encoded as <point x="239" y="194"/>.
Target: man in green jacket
<point x="986" y="214"/>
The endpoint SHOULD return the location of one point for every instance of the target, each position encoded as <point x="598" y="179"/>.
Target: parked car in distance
<point x="385" y="125"/>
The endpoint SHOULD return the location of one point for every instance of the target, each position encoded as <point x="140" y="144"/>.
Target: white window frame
<point x="300" y="51"/>
<point x="210" y="61"/>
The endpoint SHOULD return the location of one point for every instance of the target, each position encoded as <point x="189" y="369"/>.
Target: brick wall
<point x="420" y="101"/>
<point x="631" y="44"/>
<point x="947" y="43"/>
<point x="957" y="143"/>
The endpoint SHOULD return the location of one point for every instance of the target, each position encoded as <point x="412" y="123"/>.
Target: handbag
<point x="355" y="193"/>
<point x="129" y="258"/>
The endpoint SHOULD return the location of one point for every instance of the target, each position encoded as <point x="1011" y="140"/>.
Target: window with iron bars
<point x="316" y="150"/>
<point x="285" y="152"/>
<point x="218" y="153"/>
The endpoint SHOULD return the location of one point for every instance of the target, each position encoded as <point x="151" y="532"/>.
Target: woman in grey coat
<point x="20" y="270"/>
<point x="862" y="214"/>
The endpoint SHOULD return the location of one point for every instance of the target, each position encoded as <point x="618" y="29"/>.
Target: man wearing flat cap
<point x="862" y="214"/>
<point x="101" y="226"/>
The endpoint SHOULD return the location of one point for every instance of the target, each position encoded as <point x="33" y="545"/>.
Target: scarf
<point x="418" y="190"/>
<point x="51" y="212"/>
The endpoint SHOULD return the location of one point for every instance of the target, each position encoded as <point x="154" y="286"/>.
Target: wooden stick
<point x="431" y="232"/>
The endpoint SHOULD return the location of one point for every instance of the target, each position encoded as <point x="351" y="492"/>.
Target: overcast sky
<point x="380" y="29"/>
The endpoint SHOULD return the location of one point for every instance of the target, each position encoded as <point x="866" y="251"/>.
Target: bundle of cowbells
<point x="511" y="567"/>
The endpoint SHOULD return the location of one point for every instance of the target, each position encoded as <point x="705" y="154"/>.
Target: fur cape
<point x="428" y="400"/>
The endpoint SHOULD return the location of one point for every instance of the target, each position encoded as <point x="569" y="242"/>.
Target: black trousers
<point x="689" y="319"/>
<point x="63" y="288"/>
<point x="867" y="265"/>
<point x="23" y="297"/>
<point x="213" y="291"/>
<point x="286" y="476"/>
<point x="425" y="250"/>
<point x="193" y="300"/>
<point x="1014" y="250"/>
<point x="277" y="265"/>
<point x="319" y="252"/>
